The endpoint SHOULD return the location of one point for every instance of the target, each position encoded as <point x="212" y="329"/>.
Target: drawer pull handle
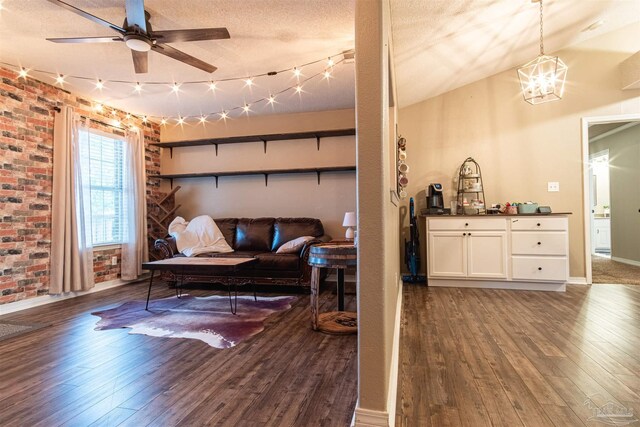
<point x="469" y="234"/>
<point x="466" y="224"/>
<point x="539" y="268"/>
<point x="464" y="234"/>
<point x="538" y="224"/>
<point x="539" y="243"/>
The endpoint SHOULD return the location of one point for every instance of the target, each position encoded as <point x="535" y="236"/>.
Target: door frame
<point x="586" y="196"/>
<point x="591" y="191"/>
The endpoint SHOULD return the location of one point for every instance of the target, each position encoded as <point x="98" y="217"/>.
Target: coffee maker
<point x="435" y="201"/>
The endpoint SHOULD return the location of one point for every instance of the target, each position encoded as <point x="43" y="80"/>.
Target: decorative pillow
<point x="294" y="246"/>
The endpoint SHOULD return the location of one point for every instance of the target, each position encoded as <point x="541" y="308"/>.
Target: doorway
<point x="612" y="199"/>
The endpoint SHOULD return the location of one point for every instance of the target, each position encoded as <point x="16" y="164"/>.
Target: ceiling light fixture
<point x="542" y="80"/>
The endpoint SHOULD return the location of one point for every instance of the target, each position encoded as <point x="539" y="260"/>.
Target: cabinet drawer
<point x="539" y="268"/>
<point x="467" y="223"/>
<point x="539" y="243"/>
<point x="552" y="224"/>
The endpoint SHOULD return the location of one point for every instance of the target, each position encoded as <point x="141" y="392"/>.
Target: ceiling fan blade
<point x="196" y="34"/>
<point x="105" y="39"/>
<point x="88" y="15"/>
<point x="135" y="14"/>
<point x="140" y="61"/>
<point x="183" y="57"/>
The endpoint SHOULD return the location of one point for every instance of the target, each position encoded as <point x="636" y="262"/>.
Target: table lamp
<point x="350" y="221"/>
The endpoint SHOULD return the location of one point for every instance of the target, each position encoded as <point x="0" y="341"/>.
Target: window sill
<point x="99" y="248"/>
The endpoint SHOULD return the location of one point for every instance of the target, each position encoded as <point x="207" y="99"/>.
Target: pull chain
<point x="541" y="39"/>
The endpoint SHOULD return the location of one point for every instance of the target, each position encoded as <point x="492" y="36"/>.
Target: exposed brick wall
<point x="26" y="169"/>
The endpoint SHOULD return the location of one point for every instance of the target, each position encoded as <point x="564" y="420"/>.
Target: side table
<point x="337" y="255"/>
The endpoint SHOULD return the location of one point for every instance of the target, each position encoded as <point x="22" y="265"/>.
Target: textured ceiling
<point x="440" y="45"/>
<point x="265" y="36"/>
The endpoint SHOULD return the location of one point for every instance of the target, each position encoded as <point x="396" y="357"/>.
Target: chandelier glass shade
<point x="542" y="79"/>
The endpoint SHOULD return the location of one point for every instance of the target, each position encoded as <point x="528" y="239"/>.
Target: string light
<point x="127" y="116"/>
<point x="61" y="79"/>
<point x="203" y="119"/>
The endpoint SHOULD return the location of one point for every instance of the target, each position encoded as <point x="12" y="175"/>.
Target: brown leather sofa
<point x="260" y="238"/>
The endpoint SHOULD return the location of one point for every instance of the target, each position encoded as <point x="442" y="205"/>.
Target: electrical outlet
<point x="114" y="260"/>
<point x="553" y="186"/>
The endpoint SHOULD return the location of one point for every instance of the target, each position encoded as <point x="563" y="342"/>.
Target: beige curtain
<point x="71" y="248"/>
<point x="134" y="247"/>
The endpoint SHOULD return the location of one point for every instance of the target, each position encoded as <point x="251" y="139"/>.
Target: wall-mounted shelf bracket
<point x="171" y="152"/>
<point x="216" y="145"/>
<point x="264" y="141"/>
<point x="216" y="177"/>
<point x="318" y="142"/>
<point x="171" y="182"/>
<point x="266" y="179"/>
<point x="318" y="173"/>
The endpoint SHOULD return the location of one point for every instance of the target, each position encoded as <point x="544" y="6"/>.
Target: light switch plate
<point x="114" y="260"/>
<point x="553" y="186"/>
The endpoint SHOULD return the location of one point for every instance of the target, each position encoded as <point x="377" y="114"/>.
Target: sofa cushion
<point x="286" y="229"/>
<point x="271" y="261"/>
<point x="254" y="234"/>
<point x="228" y="228"/>
<point x="236" y="254"/>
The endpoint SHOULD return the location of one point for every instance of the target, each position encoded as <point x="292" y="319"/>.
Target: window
<point x="103" y="161"/>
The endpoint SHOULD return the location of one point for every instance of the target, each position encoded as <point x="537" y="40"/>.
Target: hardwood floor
<point x="477" y="357"/>
<point x="68" y="374"/>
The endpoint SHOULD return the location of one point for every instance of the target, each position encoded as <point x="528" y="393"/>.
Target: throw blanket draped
<point x="198" y="236"/>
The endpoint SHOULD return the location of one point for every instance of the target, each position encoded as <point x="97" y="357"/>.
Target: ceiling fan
<point x="137" y="34"/>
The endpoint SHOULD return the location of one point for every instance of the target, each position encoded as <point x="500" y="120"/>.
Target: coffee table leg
<point x="146" y="307"/>
<point x="315" y="286"/>
<point x="340" y="290"/>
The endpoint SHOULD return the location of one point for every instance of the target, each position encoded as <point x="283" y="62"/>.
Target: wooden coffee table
<point x="196" y="267"/>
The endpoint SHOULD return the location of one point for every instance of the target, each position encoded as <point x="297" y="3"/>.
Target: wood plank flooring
<point x="475" y="357"/>
<point x="70" y="375"/>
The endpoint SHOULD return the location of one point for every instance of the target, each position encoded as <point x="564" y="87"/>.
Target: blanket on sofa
<point x="198" y="236"/>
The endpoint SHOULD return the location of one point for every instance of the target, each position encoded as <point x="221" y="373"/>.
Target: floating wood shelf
<point x="256" y="138"/>
<point x="266" y="173"/>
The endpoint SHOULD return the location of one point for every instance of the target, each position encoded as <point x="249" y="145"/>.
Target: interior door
<point x="447" y="252"/>
<point x="487" y="254"/>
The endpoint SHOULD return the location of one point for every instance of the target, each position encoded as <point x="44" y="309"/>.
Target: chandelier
<point x="542" y="79"/>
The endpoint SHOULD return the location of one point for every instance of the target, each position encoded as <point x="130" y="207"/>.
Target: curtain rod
<point x="57" y="109"/>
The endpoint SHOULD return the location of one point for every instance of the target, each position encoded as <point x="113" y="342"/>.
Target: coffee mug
<point x="402" y="142"/>
<point x="403" y="167"/>
<point x="403" y="180"/>
<point x="402" y="194"/>
<point x="402" y="154"/>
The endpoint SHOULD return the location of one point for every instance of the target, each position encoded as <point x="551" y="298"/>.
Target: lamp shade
<point x="350" y="219"/>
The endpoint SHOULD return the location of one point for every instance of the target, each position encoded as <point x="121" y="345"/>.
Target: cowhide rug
<point x="207" y="319"/>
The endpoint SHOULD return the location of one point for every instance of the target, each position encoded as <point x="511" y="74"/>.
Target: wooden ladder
<point x="166" y="216"/>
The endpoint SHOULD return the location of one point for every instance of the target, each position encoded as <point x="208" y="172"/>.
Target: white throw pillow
<point x="294" y="246"/>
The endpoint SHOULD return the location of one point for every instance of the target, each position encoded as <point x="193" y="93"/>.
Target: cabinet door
<point x="447" y="254"/>
<point x="487" y="255"/>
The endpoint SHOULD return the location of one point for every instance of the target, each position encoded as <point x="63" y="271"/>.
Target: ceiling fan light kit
<point x="542" y="79"/>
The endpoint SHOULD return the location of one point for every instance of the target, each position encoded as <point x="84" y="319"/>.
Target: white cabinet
<point x="467" y="252"/>
<point x="513" y="252"/>
<point x="602" y="234"/>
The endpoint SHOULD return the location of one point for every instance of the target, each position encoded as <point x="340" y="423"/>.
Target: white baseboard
<point x="626" y="261"/>
<point x="25" y="304"/>
<point x="370" y="418"/>
<point x="577" y="281"/>
<point x="487" y="284"/>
